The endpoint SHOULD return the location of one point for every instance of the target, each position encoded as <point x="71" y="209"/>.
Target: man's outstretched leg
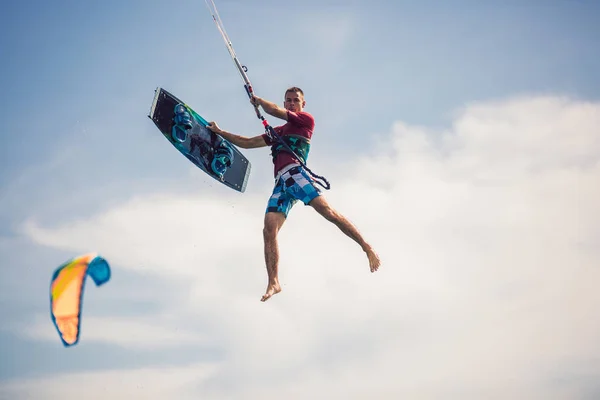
<point x="322" y="207"/>
<point x="273" y="223"/>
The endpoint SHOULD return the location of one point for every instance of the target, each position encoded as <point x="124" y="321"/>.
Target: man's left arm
<point x="270" y="108"/>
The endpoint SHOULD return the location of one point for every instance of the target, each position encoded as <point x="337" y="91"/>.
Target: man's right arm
<point x="240" y="141"/>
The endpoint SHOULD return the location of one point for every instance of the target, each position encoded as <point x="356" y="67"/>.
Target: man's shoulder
<point x="306" y="114"/>
<point x="302" y="118"/>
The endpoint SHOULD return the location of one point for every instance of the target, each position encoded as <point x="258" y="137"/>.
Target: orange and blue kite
<point x="66" y="293"/>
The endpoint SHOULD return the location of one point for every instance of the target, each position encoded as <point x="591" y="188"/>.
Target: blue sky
<point x="83" y="168"/>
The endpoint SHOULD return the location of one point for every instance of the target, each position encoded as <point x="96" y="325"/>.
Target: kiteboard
<point x="186" y="130"/>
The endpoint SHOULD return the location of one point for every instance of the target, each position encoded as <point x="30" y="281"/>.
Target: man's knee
<point x="269" y="231"/>
<point x="273" y="222"/>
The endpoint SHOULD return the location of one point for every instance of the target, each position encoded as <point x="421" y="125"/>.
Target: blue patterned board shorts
<point x="293" y="185"/>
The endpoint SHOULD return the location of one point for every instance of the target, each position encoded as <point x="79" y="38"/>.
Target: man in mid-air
<point x="292" y="182"/>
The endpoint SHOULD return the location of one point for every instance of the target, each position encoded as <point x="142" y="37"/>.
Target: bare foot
<point x="272" y="289"/>
<point x="374" y="261"/>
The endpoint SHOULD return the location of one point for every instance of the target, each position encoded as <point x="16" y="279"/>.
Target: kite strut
<point x="242" y="69"/>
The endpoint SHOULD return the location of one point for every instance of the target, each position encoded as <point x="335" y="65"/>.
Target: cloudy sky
<point x="462" y="137"/>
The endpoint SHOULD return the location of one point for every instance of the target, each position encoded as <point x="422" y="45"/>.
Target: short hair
<point x="294" y="89"/>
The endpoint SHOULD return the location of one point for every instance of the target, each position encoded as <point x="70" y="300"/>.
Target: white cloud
<point x="489" y="238"/>
<point x="147" y="383"/>
<point x="162" y="234"/>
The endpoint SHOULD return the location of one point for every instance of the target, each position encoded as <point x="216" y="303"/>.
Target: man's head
<point x="293" y="99"/>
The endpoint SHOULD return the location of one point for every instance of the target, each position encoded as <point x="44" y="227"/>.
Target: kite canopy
<point x="66" y="293"/>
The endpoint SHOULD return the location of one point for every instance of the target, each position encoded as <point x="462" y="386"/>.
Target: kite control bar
<point x="242" y="69"/>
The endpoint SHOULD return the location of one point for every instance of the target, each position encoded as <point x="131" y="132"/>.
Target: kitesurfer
<point x="292" y="183"/>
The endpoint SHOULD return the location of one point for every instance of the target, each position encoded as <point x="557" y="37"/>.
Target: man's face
<point x="294" y="102"/>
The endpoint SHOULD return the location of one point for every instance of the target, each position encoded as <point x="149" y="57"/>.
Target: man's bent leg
<point x="273" y="223"/>
<point x="322" y="207"/>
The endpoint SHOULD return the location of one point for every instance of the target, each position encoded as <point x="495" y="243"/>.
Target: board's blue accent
<point x="182" y="117"/>
<point x="183" y="123"/>
<point x="222" y="159"/>
<point x="179" y="134"/>
<point x="198" y="118"/>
